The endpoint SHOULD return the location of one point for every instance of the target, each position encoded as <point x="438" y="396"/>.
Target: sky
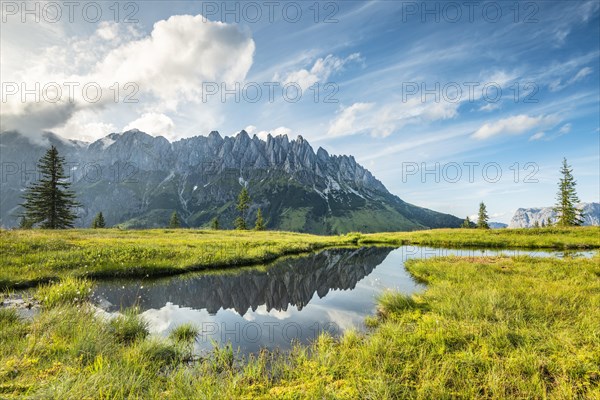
<point x="447" y="103"/>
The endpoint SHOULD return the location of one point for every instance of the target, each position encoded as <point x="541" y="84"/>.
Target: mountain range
<point x="138" y="180"/>
<point x="527" y="217"/>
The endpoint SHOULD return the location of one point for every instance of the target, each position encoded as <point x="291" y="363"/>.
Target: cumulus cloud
<point x="154" y="124"/>
<point x="33" y="118"/>
<point x="382" y="121"/>
<point x="180" y="53"/>
<point x="85" y="125"/>
<point x="321" y="70"/>
<point x="108" y="30"/>
<point x="167" y="68"/>
<point x="515" y="125"/>
<point x="345" y="123"/>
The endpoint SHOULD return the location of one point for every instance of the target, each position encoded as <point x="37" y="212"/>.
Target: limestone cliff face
<point x="527" y="217"/>
<point x="138" y="180"/>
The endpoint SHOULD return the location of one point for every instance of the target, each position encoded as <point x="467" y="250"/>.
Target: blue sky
<point x="373" y="60"/>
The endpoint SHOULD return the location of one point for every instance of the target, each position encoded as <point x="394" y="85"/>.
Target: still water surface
<point x="293" y="299"/>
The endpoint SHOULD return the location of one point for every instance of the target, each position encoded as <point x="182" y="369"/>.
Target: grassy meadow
<point x="487" y="328"/>
<point x="30" y="257"/>
<point x="531" y="238"/>
<point x="34" y="256"/>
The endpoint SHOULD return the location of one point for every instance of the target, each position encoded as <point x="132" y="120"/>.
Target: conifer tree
<point x="260" y="223"/>
<point x="482" y="220"/>
<point x="242" y="206"/>
<point x="467" y="223"/>
<point x="215" y="224"/>
<point x="174" y="221"/>
<point x="99" y="221"/>
<point x="568" y="214"/>
<point x="49" y="202"/>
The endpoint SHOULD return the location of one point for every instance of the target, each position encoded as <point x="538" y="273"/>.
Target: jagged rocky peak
<point x="215" y="137"/>
<point x="528" y="217"/>
<point x="200" y="177"/>
<point x="322" y="154"/>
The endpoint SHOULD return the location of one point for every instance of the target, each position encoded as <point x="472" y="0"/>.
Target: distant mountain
<point x="497" y="225"/>
<point x="138" y="180"/>
<point x="527" y="217"/>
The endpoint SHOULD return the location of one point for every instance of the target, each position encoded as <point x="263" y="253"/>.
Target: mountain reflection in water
<point x="292" y="299"/>
<point x="292" y="281"/>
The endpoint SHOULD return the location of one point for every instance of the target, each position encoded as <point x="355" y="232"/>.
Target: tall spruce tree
<point x="482" y="218"/>
<point x="99" y="221"/>
<point x="49" y="202"/>
<point x="174" y="221"/>
<point x="242" y="206"/>
<point x="215" y="224"/>
<point x="260" y="222"/>
<point x="568" y="214"/>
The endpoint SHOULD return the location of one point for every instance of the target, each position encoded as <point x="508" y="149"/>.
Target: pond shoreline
<point x="35" y="257"/>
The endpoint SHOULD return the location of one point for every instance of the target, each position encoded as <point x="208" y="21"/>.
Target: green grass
<point x="68" y="291"/>
<point x="30" y="257"/>
<point x="128" y="327"/>
<point x="485" y="328"/>
<point x="542" y="238"/>
<point x="184" y="333"/>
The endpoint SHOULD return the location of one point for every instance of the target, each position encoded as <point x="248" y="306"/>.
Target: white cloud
<point x="180" y="53"/>
<point x="489" y="107"/>
<point x="154" y="124"/>
<point x="345" y="123"/>
<point x="588" y="9"/>
<point x="168" y="66"/>
<point x="581" y="74"/>
<point x="561" y="35"/>
<point x="384" y="120"/>
<point x="566" y="128"/>
<point x="108" y="30"/>
<point x="282" y="130"/>
<point x="537" y="136"/>
<point x="321" y="70"/>
<point x="515" y="125"/>
<point x="502" y="78"/>
<point x="85" y="125"/>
